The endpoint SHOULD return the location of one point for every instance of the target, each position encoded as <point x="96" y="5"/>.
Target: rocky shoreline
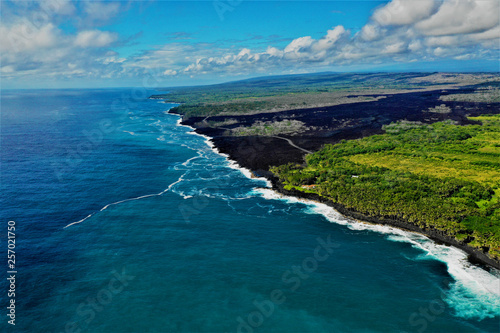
<point x="475" y="256"/>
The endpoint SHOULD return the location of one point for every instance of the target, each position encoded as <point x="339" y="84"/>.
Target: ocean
<point x="127" y="221"/>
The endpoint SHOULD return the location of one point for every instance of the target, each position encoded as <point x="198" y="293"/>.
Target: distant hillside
<point x="284" y="92"/>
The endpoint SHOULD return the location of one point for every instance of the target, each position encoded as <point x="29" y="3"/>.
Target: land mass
<point x="411" y="150"/>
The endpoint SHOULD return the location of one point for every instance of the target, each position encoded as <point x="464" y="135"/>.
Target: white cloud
<point x="24" y="36"/>
<point x="370" y="32"/>
<point x="397" y="47"/>
<point x="31" y="44"/>
<point x="101" y="11"/>
<point x="442" y="41"/>
<point x="401" y="31"/>
<point x="112" y="60"/>
<point x="404" y="12"/>
<point x="298" y="47"/>
<point x="7" y="69"/>
<point x="244" y="52"/>
<point x="462" y="17"/>
<point x="415" y="45"/>
<point x="61" y="7"/>
<point x="274" y="52"/>
<point x="328" y="41"/>
<point x="95" y="38"/>
<point x="170" y="72"/>
<point x="493" y="34"/>
<point x="448" y="52"/>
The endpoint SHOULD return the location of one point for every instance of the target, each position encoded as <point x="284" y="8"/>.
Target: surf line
<point x="181" y="178"/>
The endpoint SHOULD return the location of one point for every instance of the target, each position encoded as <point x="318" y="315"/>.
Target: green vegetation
<point x="274" y="94"/>
<point x="439" y="109"/>
<point x="440" y="176"/>
<point x="489" y="94"/>
<point x="226" y="122"/>
<point x="270" y="128"/>
<point x="238" y="105"/>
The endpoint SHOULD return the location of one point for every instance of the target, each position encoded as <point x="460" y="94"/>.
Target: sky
<point x="83" y="44"/>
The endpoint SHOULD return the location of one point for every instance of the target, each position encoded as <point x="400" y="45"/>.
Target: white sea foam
<point x="475" y="292"/>
<point x="181" y="178"/>
<point x="190" y="160"/>
<point x="231" y="163"/>
<point x="115" y="203"/>
<point x="158" y="124"/>
<point x="112" y="204"/>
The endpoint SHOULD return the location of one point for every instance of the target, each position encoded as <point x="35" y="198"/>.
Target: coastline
<point x="475" y="256"/>
<point x="478" y="281"/>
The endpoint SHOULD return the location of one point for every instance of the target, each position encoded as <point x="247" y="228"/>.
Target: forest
<point x="436" y="176"/>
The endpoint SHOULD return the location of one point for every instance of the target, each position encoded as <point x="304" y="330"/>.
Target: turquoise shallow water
<point x="192" y="244"/>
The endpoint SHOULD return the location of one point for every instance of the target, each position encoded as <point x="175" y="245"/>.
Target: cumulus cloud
<point x="370" y="32"/>
<point x="31" y="44"/>
<point x="404" y="12"/>
<point x="401" y="31"/>
<point x="60" y="7"/>
<point x="462" y="17"/>
<point x="299" y="48"/>
<point x="22" y="37"/>
<point x="95" y="38"/>
<point x="332" y="37"/>
<point x="170" y="72"/>
<point x="101" y="11"/>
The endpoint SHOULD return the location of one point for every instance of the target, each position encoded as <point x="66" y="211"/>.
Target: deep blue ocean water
<point x="128" y="222"/>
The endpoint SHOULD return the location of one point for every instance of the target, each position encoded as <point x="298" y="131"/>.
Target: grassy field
<point x="476" y="158"/>
<point x="440" y="176"/>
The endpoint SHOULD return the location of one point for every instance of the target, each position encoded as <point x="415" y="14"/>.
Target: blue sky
<point x="60" y="43"/>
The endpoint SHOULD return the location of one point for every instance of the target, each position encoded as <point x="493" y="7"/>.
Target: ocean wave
<point x="231" y="163"/>
<point x="187" y="166"/>
<point x="475" y="292"/>
<point x="112" y="204"/>
<point x="169" y="188"/>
